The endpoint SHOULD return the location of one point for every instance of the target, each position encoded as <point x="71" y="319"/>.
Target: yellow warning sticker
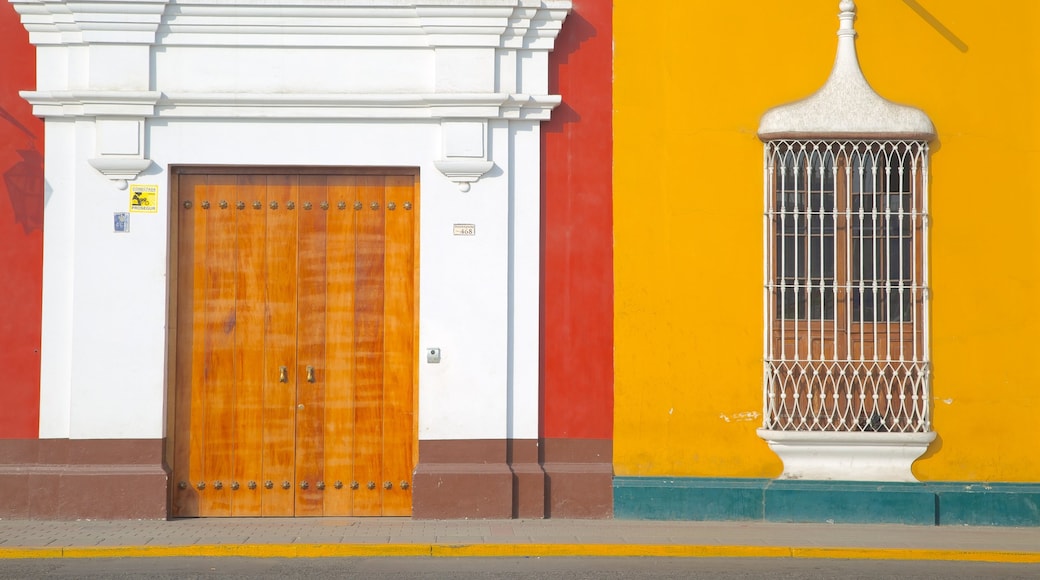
<point x="144" y="198"/>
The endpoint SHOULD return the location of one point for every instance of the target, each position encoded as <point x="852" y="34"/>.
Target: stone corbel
<point x="120" y="149"/>
<point x="464" y="152"/>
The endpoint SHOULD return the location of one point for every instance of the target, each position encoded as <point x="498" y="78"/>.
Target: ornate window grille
<point x="846" y="368"/>
<point x="846" y="292"/>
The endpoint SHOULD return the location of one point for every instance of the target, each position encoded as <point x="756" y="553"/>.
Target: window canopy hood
<point x="846" y="106"/>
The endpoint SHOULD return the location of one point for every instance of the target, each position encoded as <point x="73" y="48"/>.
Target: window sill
<point x="842" y="456"/>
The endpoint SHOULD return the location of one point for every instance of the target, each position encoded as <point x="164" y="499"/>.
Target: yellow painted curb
<point x="607" y="550"/>
<point x="516" y="550"/>
<point x="211" y="551"/>
<point x="917" y="554"/>
<point x="361" y="550"/>
<point x="29" y="553"/>
<point x="250" y="551"/>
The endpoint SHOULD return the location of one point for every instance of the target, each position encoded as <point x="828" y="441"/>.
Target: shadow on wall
<point x="24" y="180"/>
<point x="576" y="30"/>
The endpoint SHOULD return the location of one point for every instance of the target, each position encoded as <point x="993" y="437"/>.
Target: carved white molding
<point x="846" y="105"/>
<point x="119" y="118"/>
<point x="530" y="24"/>
<point x="120" y="169"/>
<point x="464" y="151"/>
<point x="61" y="22"/>
<point x="463" y="171"/>
<point x="838" y="456"/>
<point x="292" y="106"/>
<point x="88" y="103"/>
<point x="119" y="146"/>
<point x="453" y="61"/>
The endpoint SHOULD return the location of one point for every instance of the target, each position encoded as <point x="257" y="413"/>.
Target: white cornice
<point x="466" y="62"/>
<point x="92" y="103"/>
<point x="530" y="24"/>
<point x="291" y="106"/>
<point x="51" y="22"/>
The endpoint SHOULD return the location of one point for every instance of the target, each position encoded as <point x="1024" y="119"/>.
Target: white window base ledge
<point x="832" y="456"/>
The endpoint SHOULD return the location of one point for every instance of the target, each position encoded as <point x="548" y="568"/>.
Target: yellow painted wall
<point x="692" y="79"/>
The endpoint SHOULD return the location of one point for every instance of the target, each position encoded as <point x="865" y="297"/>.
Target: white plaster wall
<point x="118" y="311"/>
<point x="463" y="309"/>
<point x="105" y="302"/>
<point x="180" y="69"/>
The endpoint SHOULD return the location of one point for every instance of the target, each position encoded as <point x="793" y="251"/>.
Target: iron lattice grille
<point x="846" y="294"/>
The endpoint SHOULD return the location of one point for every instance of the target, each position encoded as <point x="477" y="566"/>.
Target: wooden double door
<point x="295" y="331"/>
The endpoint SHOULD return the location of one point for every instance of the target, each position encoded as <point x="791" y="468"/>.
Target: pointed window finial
<point x="847" y="17"/>
<point x="846" y="105"/>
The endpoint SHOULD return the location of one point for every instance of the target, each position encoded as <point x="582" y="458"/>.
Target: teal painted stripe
<point x="644" y="498"/>
<point x="988" y="504"/>
<point x="849" y="502"/>
<point x="931" y="503"/>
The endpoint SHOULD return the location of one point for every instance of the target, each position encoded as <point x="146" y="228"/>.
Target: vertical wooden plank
<point x="416" y="259"/>
<point x="399" y="345"/>
<point x="249" y="345"/>
<point x="219" y="372"/>
<point x="279" y="426"/>
<point x="310" y="389"/>
<point x="339" y="347"/>
<point x="200" y="344"/>
<point x="190" y="333"/>
<point x="368" y="313"/>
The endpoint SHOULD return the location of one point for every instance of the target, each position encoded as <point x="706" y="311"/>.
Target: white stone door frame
<point x="129" y="88"/>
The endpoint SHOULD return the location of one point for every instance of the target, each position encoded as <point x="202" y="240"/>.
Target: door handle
<point x="310" y="374"/>
<point x="283" y="374"/>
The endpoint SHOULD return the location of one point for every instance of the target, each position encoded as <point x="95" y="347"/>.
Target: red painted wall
<point x="21" y="234"/>
<point x="577" y="261"/>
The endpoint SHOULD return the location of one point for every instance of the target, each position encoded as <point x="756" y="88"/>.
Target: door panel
<point x="310" y="390"/>
<point x="339" y="347"/>
<point x="399" y="306"/>
<point x="218" y="375"/>
<point x="250" y="298"/>
<point x="295" y="333"/>
<point x="280" y="349"/>
<point x="368" y="312"/>
<point x="190" y="331"/>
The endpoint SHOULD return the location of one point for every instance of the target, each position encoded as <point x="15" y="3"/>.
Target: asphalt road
<point x="485" y="568"/>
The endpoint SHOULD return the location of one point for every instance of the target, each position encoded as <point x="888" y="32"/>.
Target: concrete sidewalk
<point x="341" y="537"/>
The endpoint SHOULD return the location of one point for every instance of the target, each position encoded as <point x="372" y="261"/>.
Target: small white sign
<point x="465" y="229"/>
<point x="121" y="222"/>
